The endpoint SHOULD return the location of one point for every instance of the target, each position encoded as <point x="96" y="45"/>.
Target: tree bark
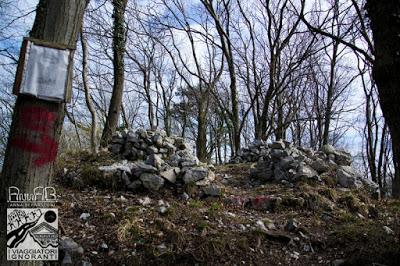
<point x="385" y="24"/>
<point x="37" y="124"/>
<point x="119" y="41"/>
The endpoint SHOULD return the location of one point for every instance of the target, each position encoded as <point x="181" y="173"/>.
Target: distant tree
<point x="119" y="41"/>
<point x="88" y="97"/>
<point x="221" y="13"/>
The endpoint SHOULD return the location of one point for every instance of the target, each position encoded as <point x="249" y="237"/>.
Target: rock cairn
<point x="152" y="160"/>
<point x="281" y="161"/>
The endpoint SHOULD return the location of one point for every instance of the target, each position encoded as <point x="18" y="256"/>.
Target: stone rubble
<point x="84" y="216"/>
<point x="213" y="190"/>
<point x="282" y="162"/>
<point x="71" y="253"/>
<point x="152" y="160"/>
<point x="388" y="230"/>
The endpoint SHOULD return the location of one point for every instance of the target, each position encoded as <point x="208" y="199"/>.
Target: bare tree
<point x="222" y="22"/>
<point x="89" y="101"/>
<point x="119" y="40"/>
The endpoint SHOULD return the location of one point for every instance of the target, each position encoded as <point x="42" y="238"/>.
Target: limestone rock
<point x="141" y="167"/>
<point x="132" y="136"/>
<point x="124" y="166"/>
<point x="151" y="150"/>
<point x="170" y="147"/>
<point x="142" y="133"/>
<point x="305" y="171"/>
<point x="343" y="158"/>
<point x="388" y="230"/>
<point x="158" y="140"/>
<point x="68" y="244"/>
<point x="328" y="149"/>
<point x="195" y="174"/>
<point x="347" y="177"/>
<point x="213" y="190"/>
<point x="155" y="160"/>
<point x="151" y="181"/>
<point x="171" y="174"/>
<point x="320" y="165"/>
<point x="181" y="144"/>
<point x="286" y="162"/>
<point x="372" y="187"/>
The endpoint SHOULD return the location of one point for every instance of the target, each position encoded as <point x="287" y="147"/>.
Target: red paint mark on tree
<point x="38" y="119"/>
<point x="47" y="149"/>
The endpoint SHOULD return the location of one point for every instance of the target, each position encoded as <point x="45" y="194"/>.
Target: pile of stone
<point x="153" y="160"/>
<point x="253" y="153"/>
<point x="281" y="161"/>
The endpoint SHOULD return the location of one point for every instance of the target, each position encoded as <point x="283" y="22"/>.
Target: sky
<point x="22" y="24"/>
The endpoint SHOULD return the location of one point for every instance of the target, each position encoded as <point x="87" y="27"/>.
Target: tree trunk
<point x="225" y="147"/>
<point x="36" y="125"/>
<point x="89" y="102"/>
<point x="201" y="141"/>
<point x="124" y="116"/>
<point x="263" y="123"/>
<point x="331" y="88"/>
<point x="235" y="107"/>
<point x="385" y="24"/>
<point x="370" y="147"/>
<point x="280" y="131"/>
<point x="218" y="156"/>
<point x="114" y="110"/>
<point x="150" y="109"/>
<point x="167" y="121"/>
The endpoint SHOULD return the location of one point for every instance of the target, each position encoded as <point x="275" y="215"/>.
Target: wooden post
<point x="36" y="125"/>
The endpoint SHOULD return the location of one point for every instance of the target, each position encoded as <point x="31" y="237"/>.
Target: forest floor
<point x="330" y="227"/>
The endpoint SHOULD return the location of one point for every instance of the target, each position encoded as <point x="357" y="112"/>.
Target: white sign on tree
<point x="45" y="72"/>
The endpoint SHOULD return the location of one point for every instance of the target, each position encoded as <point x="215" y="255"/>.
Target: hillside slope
<point x="243" y="223"/>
